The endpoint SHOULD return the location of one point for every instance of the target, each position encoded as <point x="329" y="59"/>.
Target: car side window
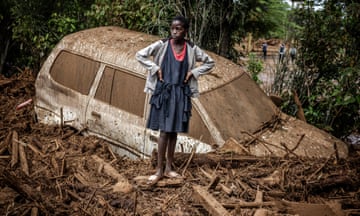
<point x="74" y="71"/>
<point x="122" y="90"/>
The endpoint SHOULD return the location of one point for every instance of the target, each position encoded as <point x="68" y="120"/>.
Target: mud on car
<point x="91" y="81"/>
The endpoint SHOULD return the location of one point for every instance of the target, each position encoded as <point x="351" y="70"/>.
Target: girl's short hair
<point x="183" y="20"/>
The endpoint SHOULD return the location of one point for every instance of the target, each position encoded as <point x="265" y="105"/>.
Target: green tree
<point x="329" y="67"/>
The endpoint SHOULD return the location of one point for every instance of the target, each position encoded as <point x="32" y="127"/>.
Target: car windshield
<point x="239" y="105"/>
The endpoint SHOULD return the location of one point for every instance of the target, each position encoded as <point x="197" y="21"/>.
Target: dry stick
<point x="62" y="167"/>
<point x="257" y="138"/>
<point x="36" y="150"/>
<point x="208" y="175"/>
<point x="189" y="160"/>
<point x="112" y="154"/>
<point x="92" y="196"/>
<point x="288" y="150"/>
<point x="4" y="156"/>
<point x="263" y="141"/>
<point x="6" y="143"/>
<point x="74" y="195"/>
<point x="293" y="149"/>
<point x="86" y="212"/>
<point x="320" y="168"/>
<point x="65" y="136"/>
<point x="26" y="211"/>
<point x="135" y="201"/>
<point x="167" y="201"/>
<point x="59" y="188"/>
<point x="336" y="152"/>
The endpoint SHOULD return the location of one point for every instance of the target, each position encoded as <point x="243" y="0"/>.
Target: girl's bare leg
<point x="162" y="143"/>
<point x="170" y="156"/>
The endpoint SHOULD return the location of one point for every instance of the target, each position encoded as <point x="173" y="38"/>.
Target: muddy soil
<point x="46" y="170"/>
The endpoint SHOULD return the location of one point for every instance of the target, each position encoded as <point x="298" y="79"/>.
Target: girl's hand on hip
<point x="160" y="75"/>
<point x="188" y="76"/>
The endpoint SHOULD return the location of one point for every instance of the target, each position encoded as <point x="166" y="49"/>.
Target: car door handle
<point x="96" y="114"/>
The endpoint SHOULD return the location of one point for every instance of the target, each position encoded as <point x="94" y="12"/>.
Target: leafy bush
<point x="254" y="66"/>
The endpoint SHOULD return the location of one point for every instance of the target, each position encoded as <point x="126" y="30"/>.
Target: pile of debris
<point x="57" y="171"/>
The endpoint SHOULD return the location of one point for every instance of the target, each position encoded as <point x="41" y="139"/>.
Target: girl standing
<point x="172" y="81"/>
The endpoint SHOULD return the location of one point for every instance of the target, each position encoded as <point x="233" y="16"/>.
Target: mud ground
<point x="57" y="171"/>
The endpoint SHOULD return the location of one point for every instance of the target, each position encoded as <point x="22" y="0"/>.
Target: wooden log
<point x="14" y="149"/>
<point x="23" y="160"/>
<point x="209" y="202"/>
<point x="216" y="159"/>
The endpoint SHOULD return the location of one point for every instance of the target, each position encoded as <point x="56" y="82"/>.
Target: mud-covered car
<point x="91" y="81"/>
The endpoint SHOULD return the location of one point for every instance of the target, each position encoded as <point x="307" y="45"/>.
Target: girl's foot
<point x="153" y="179"/>
<point x="172" y="174"/>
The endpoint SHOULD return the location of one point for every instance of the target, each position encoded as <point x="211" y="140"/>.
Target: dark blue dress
<point x="171" y="101"/>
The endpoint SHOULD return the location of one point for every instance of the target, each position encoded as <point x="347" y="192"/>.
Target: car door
<point x="116" y="110"/>
<point x="63" y="87"/>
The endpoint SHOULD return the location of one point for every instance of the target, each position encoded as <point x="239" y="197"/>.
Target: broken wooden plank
<point x="308" y="209"/>
<point x="23" y="159"/>
<point x="259" y="195"/>
<point x="164" y="182"/>
<point x="214" y="182"/>
<point x="14" y="149"/>
<point x="262" y="212"/>
<point x="226" y="189"/>
<point x="243" y="204"/>
<point x="123" y="184"/>
<point x="6" y="143"/>
<point x="5" y="156"/>
<point x="231" y="145"/>
<point x="209" y="202"/>
<point x="36" y="150"/>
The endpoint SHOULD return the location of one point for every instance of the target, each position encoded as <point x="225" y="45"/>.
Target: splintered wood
<point x="48" y="170"/>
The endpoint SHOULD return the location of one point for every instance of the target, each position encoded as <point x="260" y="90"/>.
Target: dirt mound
<point x="57" y="171"/>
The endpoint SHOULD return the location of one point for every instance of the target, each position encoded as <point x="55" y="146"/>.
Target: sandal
<point x="153" y="179"/>
<point x="173" y="174"/>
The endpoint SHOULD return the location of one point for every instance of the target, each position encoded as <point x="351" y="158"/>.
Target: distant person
<point x="281" y="52"/>
<point x="292" y="54"/>
<point x="264" y="50"/>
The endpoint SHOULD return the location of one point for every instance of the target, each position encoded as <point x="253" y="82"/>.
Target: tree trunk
<point x="225" y="39"/>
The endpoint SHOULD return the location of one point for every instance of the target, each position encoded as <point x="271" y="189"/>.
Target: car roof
<point x="117" y="46"/>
